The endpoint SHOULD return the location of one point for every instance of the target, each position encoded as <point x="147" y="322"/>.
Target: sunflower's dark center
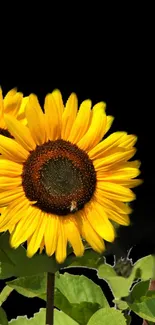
<point x="6" y="133"/>
<point x="59" y="176"/>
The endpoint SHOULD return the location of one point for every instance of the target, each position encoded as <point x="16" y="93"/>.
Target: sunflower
<point x="60" y="182"/>
<point x="12" y="104"/>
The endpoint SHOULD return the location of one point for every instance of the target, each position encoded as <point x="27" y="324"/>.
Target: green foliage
<point x="30" y="286"/>
<point x="140" y="289"/>
<point x="3" y="317"/>
<point x="121" y="304"/>
<point x="78" y="288"/>
<point x="39" y="319"/>
<point x="79" y="300"/>
<point x="5" y="293"/>
<point x="128" y="319"/>
<point x="145" y="306"/>
<point x="90" y="259"/>
<point x="61" y="318"/>
<point x="145" y="267"/>
<point x="77" y="296"/>
<point x="107" y="316"/>
<point x="14" y="262"/>
<point x="119" y="285"/>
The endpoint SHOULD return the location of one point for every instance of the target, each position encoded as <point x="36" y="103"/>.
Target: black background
<point x="117" y="69"/>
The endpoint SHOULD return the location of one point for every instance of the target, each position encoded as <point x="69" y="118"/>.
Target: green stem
<point x="50" y="299"/>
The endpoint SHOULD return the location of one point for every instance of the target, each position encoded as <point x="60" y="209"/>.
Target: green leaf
<point x="18" y="264"/>
<point x="109" y="316"/>
<point x="106" y="271"/>
<point x="140" y="289"/>
<point x="4" y="258"/>
<point x="30" y="286"/>
<point x="79" y="288"/>
<point x="121" y="304"/>
<point x="5" y="293"/>
<point x="77" y="296"/>
<point x="75" y="288"/>
<point x="79" y="312"/>
<point x="61" y="318"/>
<point x="39" y="319"/>
<point x="14" y="262"/>
<point x="128" y="319"/>
<point x="90" y="259"/>
<point x="146" y="267"/>
<point x="3" y="317"/>
<point x="145" y="307"/>
<point x="120" y="286"/>
<point x="150" y="293"/>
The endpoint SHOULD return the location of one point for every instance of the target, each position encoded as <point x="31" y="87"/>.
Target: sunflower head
<point x="62" y="180"/>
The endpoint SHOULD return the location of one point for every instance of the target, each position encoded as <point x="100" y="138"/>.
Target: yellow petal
<point x="81" y="123"/>
<point x="9" y="196"/>
<point x="36" y="120"/>
<point x="69" y="116"/>
<point x="51" y="234"/>
<point x="13" y="213"/>
<point x="110" y="169"/>
<point x="21" y="112"/>
<point x="132" y="183"/>
<point x="11" y="229"/>
<point x="10" y="93"/>
<point x="115" y="205"/>
<point x="55" y="99"/>
<point x="112" y="141"/>
<point x="132" y="164"/>
<point x="8" y="183"/>
<point x="1" y="109"/>
<point x="20" y="132"/>
<point x="73" y="235"/>
<point x="100" y="105"/>
<point x="10" y="168"/>
<point x="96" y="129"/>
<point x="25" y="227"/>
<point x="115" y="158"/>
<point x="61" y="252"/>
<point x="121" y="219"/>
<point x="89" y="234"/>
<point x="36" y="238"/>
<point x="116" y="191"/>
<point x="110" y="120"/>
<point x="12" y="150"/>
<point x="42" y="246"/>
<point x="119" y="175"/>
<point x="2" y="210"/>
<point x="53" y="116"/>
<point x="98" y="219"/>
<point x="12" y="102"/>
<point x="59" y="102"/>
<point x="129" y="142"/>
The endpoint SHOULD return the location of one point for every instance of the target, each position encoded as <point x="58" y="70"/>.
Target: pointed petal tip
<point x="59" y="259"/>
<point x="99" y="106"/>
<point x="56" y="91"/>
<point x="29" y="253"/>
<point x="32" y="97"/>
